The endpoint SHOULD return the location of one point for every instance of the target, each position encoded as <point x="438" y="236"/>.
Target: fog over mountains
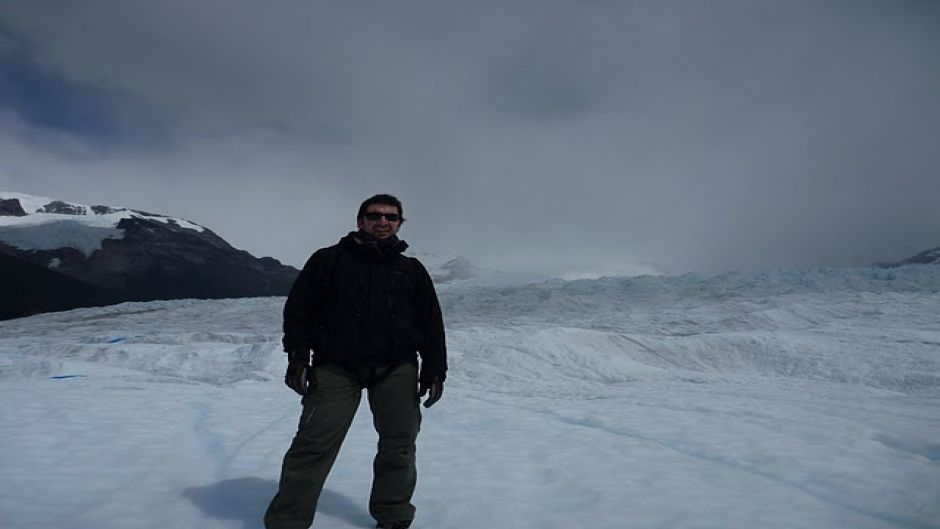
<point x="57" y="255"/>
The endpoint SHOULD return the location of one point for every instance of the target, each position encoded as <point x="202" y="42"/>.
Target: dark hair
<point x="388" y="200"/>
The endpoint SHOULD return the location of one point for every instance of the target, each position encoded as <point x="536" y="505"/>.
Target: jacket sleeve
<point x="303" y="310"/>
<point x="434" y="349"/>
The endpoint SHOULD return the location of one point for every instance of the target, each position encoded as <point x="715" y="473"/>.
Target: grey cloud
<point x="716" y="135"/>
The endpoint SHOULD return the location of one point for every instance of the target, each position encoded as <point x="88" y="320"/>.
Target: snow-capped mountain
<point x="37" y="223"/>
<point x="131" y="254"/>
<point x="446" y="269"/>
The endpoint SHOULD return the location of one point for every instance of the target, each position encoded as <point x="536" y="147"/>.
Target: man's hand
<point x="298" y="372"/>
<point x="434" y="390"/>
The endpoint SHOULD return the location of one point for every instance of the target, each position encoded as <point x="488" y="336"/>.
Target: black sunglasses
<point x="374" y="216"/>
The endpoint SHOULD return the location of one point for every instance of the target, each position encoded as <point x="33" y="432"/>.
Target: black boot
<point x="403" y="524"/>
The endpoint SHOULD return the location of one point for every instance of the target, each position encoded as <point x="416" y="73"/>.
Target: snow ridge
<point x="50" y="224"/>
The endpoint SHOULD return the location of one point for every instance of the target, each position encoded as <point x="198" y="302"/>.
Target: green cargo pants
<point x="328" y="412"/>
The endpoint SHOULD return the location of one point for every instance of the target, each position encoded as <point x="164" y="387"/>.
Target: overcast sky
<point x="591" y="135"/>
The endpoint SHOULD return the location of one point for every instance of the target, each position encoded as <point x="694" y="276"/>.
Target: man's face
<point x="381" y="227"/>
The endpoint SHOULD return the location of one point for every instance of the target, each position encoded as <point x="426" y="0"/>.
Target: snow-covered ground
<point x="781" y="400"/>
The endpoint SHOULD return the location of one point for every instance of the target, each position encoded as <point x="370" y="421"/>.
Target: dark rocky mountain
<point x="931" y="256"/>
<point x="11" y="208"/>
<point x="30" y="289"/>
<point x="101" y="254"/>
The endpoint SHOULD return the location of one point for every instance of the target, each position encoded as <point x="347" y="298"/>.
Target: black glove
<point x="436" y="389"/>
<point x="298" y="372"/>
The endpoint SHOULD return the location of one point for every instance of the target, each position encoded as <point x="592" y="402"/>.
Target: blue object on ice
<point x="61" y="377"/>
<point x="117" y="340"/>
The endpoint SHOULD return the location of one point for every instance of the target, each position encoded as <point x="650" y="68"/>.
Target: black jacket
<point x="355" y="303"/>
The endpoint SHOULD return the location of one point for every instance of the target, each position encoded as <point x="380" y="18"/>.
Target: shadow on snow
<point x="245" y="500"/>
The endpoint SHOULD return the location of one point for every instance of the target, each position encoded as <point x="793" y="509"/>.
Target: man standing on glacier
<point x="359" y="316"/>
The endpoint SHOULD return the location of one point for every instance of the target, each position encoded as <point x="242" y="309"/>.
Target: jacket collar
<point x="366" y="245"/>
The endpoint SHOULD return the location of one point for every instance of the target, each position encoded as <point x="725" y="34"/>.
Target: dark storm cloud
<point x="559" y="135"/>
<point x="47" y="100"/>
